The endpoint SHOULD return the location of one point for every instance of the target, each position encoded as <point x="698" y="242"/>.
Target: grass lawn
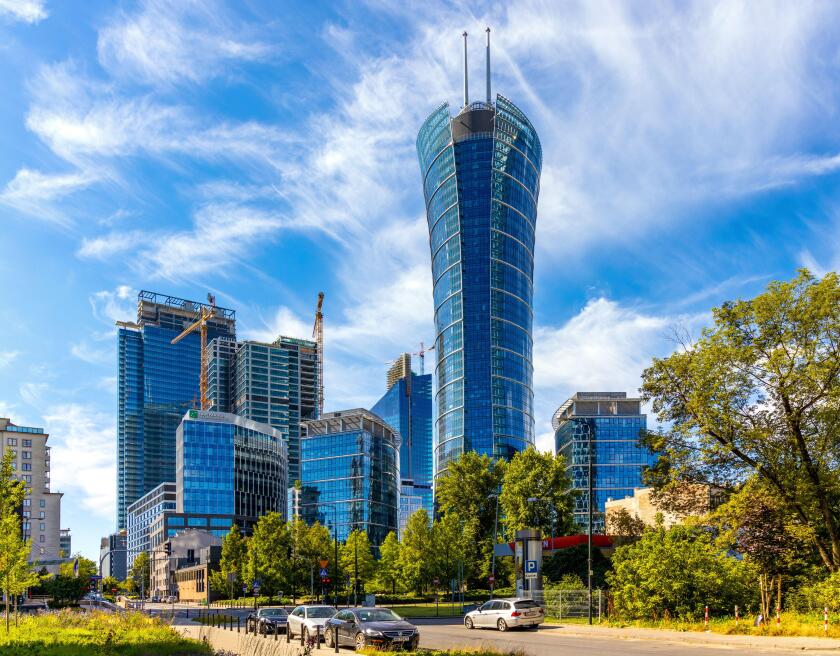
<point x="792" y="624"/>
<point x="444" y="609"/>
<point x="73" y="633"/>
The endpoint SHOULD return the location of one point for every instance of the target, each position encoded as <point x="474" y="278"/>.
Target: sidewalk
<point x="694" y="637"/>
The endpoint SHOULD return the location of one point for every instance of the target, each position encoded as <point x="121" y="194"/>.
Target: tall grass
<point x="792" y="624"/>
<point x="73" y="633"/>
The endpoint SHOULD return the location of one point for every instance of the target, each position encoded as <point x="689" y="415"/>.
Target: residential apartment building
<point x="41" y="510"/>
<point x="143" y="514"/>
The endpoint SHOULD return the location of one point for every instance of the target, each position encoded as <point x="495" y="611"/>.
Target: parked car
<point x="171" y="599"/>
<point x="377" y="627"/>
<point x="308" y="619"/>
<point x="155" y="599"/>
<point x="270" y="619"/>
<point x="504" y="614"/>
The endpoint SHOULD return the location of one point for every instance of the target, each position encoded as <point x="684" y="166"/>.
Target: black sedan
<point x="268" y="620"/>
<point x="376" y="627"/>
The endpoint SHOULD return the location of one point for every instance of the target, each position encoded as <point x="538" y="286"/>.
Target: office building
<point x="113" y="555"/>
<point x="229" y="465"/>
<point x="607" y="425"/>
<point x="192" y="577"/>
<point x="158" y="382"/>
<point x="41" y="510"/>
<point x="142" y="514"/>
<point x="350" y="474"/>
<point x="270" y="383"/>
<point x="407" y="408"/>
<point x="65" y="542"/>
<point x="694" y="499"/>
<point x="481" y="172"/>
<point x="178" y="552"/>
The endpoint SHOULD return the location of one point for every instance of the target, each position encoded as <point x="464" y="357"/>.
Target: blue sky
<point x="265" y="151"/>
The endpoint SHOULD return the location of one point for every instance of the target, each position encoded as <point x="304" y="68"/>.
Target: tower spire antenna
<point x="488" y="65"/>
<point x="466" y="79"/>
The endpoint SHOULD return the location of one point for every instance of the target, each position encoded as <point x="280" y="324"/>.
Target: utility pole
<point x="495" y="534"/>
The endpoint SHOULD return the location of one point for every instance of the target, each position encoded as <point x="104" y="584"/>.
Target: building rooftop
<point x="349" y="420"/>
<point x="596" y="404"/>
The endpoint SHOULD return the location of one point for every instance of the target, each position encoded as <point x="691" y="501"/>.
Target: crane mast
<point x="318" y="336"/>
<point x="200" y="324"/>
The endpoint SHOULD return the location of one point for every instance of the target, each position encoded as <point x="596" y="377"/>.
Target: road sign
<point x="491" y="578"/>
<point x="95" y="577"/>
<point x="324" y="572"/>
<point x="244" y="589"/>
<point x="324" y="563"/>
<point x="530" y="575"/>
<point x="530" y="566"/>
<point x="436" y="581"/>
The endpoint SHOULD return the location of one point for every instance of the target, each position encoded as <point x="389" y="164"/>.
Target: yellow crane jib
<point x="200" y="324"/>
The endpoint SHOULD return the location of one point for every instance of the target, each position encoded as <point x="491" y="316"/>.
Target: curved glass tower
<point x="481" y="173"/>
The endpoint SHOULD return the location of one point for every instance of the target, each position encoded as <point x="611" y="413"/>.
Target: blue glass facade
<point x="481" y="183"/>
<point x="142" y="514"/>
<point x="614" y="424"/>
<point x="158" y="382"/>
<point x="228" y="465"/>
<point x="350" y="474"/>
<point x="407" y="408"/>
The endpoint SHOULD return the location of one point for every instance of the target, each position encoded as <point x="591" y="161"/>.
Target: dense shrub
<point x="675" y="573"/>
<point x="817" y="596"/>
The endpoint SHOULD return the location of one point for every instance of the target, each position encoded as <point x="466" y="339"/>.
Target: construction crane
<point x="422" y="353"/>
<point x="200" y="324"/>
<point x="318" y="336"/>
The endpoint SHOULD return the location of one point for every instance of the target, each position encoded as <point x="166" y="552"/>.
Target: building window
<point x="27" y="455"/>
<point x="26" y="526"/>
<point x="27" y="478"/>
<point x="41" y="515"/>
<point x="11" y="441"/>
<point x="26" y="513"/>
<point x="27" y="443"/>
<point x="42" y="539"/>
<point x="27" y="466"/>
<point x="42" y="503"/>
<point x="42" y="526"/>
<point x="27" y="503"/>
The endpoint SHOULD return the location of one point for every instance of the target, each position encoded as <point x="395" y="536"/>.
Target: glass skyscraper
<point x="350" y="474"/>
<point x="481" y="172"/>
<point x="229" y="465"/>
<point x="407" y="408"/>
<point x="158" y="383"/>
<point x="614" y="424"/>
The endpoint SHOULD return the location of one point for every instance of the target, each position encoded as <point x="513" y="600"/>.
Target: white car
<point x="307" y="619"/>
<point x="504" y="614"/>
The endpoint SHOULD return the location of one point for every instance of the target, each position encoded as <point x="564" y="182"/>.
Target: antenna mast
<point x="466" y="80"/>
<point x="488" y="65"/>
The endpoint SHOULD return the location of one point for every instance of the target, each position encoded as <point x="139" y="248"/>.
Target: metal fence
<point x="572" y="603"/>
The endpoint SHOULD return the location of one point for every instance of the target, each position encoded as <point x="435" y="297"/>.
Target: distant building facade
<point x="407" y="408"/>
<point x="695" y="499"/>
<point x="612" y="425"/>
<point x="41" y="510"/>
<point x="65" y="542"/>
<point x="158" y="381"/>
<point x="270" y="383"/>
<point x="142" y="514"/>
<point x="350" y="474"/>
<point x="113" y="555"/>
<point x="192" y="577"/>
<point x="179" y="551"/>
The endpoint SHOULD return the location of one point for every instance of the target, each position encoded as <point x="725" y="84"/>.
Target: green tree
<point x="541" y="477"/>
<point x="677" y="572"/>
<point x="87" y="568"/>
<point x="110" y="583"/>
<point x="759" y="394"/>
<point x="574" y="561"/>
<point x="389" y="570"/>
<point x="14" y="560"/>
<point x="417" y="551"/>
<point x="269" y="552"/>
<point x="140" y="572"/>
<point x="12" y="490"/>
<point x="310" y="545"/>
<point x="230" y="575"/>
<point x="454" y="548"/>
<point x="357" y="559"/>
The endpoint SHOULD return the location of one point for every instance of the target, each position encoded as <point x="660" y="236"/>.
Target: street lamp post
<point x="589" y="533"/>
<point x="335" y="565"/>
<point x="495" y="534"/>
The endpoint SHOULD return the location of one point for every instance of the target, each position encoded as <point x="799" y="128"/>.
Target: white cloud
<point x="167" y="43"/>
<point x="109" y="245"/>
<point x="83" y="456"/>
<point x="28" y="11"/>
<point x="118" y="304"/>
<point x="86" y="353"/>
<point x="34" y="193"/>
<point x="33" y="393"/>
<point x="7" y="357"/>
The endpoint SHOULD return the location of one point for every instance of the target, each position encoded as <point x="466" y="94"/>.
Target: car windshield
<point x="378" y="615"/>
<point x="320" y="611"/>
<point x="273" y="612"/>
<point x="526" y="604"/>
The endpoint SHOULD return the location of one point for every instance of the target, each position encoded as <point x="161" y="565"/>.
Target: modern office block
<point x="229" y="465"/>
<point x="158" y="383"/>
<point x="184" y="550"/>
<point x="480" y="171"/>
<point x="41" y="510"/>
<point x="142" y="514"/>
<point x="274" y="384"/>
<point x="350" y="474"/>
<point x="65" y="542"/>
<point x="113" y="555"/>
<point x="608" y="426"/>
<point x="407" y="408"/>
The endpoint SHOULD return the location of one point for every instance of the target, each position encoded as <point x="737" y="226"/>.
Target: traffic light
<point x="167" y="547"/>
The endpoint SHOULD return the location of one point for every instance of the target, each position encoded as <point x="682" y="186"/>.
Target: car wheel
<point x="469" y="623"/>
<point x="502" y="625"/>
<point x="361" y="643"/>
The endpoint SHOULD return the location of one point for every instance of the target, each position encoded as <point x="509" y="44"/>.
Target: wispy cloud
<point x="7" y="357"/>
<point x="33" y="393"/>
<point x="110" y="305"/>
<point x="185" y="41"/>
<point x="109" y="245"/>
<point x="86" y="353"/>
<point x="35" y="193"/>
<point x="28" y="11"/>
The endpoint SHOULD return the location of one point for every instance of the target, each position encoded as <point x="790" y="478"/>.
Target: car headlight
<point x="373" y="632"/>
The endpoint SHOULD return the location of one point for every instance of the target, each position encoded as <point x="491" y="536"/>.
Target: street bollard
<point x="238" y="620"/>
<point x="302" y="633"/>
<point x="778" y="615"/>
<point x="736" y="616"/>
<point x="706" y="621"/>
<point x="335" y="638"/>
<point x="276" y="631"/>
<point x="825" y="619"/>
<point x="288" y="634"/>
<point x="318" y="636"/>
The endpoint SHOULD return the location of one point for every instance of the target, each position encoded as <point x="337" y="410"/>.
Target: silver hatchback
<point x="504" y="614"/>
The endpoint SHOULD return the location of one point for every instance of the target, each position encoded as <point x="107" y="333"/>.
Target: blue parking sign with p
<point x="530" y="566"/>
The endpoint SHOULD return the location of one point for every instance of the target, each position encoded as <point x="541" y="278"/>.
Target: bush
<point x="574" y="560"/>
<point x="675" y="573"/>
<point x="817" y="596"/>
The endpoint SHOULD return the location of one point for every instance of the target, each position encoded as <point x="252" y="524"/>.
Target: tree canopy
<point x="759" y="394"/>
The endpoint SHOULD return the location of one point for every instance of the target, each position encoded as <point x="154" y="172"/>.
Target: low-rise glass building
<point x="610" y="425"/>
<point x="350" y="474"/>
